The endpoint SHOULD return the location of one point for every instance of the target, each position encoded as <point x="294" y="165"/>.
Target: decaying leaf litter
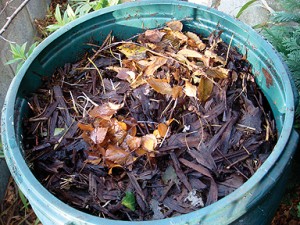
<point x="151" y="128"/>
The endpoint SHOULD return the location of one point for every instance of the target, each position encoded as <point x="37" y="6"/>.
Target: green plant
<point x="298" y="210"/>
<point x="284" y="34"/>
<point x="69" y="15"/>
<point x="83" y="7"/>
<point x="24" y="200"/>
<point x="244" y="7"/>
<point x="20" y="54"/>
<point x="1" y="150"/>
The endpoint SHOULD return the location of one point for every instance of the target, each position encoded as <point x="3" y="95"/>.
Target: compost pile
<point x="149" y="129"/>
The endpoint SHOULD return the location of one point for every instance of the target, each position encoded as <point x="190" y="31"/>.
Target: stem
<point x="9" y="19"/>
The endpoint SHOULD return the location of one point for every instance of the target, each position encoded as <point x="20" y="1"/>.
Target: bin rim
<point x="30" y="185"/>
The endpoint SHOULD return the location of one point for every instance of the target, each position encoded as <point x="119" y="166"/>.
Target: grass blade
<point x="244" y="7"/>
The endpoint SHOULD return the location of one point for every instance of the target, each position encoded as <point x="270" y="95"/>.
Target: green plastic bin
<point x="253" y="203"/>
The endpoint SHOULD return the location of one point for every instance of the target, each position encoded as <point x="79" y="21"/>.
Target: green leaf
<point x="32" y="47"/>
<point x="129" y="200"/>
<point x="298" y="210"/>
<point x="113" y="2"/>
<point x="1" y="151"/>
<point x="37" y="221"/>
<point x="24" y="200"/>
<point x="70" y="13"/>
<point x="12" y="61"/>
<point x="19" y="66"/>
<point x="244" y="7"/>
<point x="57" y="14"/>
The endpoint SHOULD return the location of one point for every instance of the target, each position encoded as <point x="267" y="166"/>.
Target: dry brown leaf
<point x="117" y="155"/>
<point x="126" y="74"/>
<point x="190" y="89"/>
<point x="133" y="142"/>
<point x="98" y="134"/>
<point x="143" y="64"/>
<point x="85" y="127"/>
<point x="111" y="165"/>
<point x="96" y="161"/>
<point x="201" y="46"/>
<point x="160" y="85"/>
<point x="105" y="111"/>
<point x="149" y="142"/>
<point x="177" y="91"/>
<point x="156" y="62"/>
<point x="175" y="25"/>
<point x="154" y="36"/>
<point x="139" y="80"/>
<point x="133" y="51"/>
<point x="173" y="38"/>
<point x="217" y="72"/>
<point x="205" y="89"/>
<point x="162" y="129"/>
<point x="212" y="55"/>
<point x="190" y="53"/>
<point x="116" y="132"/>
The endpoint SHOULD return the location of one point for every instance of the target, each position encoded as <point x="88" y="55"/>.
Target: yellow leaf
<point x="133" y="51"/>
<point x="156" y="133"/>
<point x="175" y="25"/>
<point x="162" y="129"/>
<point x="190" y="89"/>
<point x="160" y="85"/>
<point x="149" y="142"/>
<point x="205" y="89"/>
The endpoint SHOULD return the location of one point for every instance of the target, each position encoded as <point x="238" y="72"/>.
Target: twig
<point x="3" y="38"/>
<point x="265" y="4"/>
<point x="100" y="75"/>
<point x="228" y="50"/>
<point x="9" y="19"/>
<point x="6" y="4"/>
